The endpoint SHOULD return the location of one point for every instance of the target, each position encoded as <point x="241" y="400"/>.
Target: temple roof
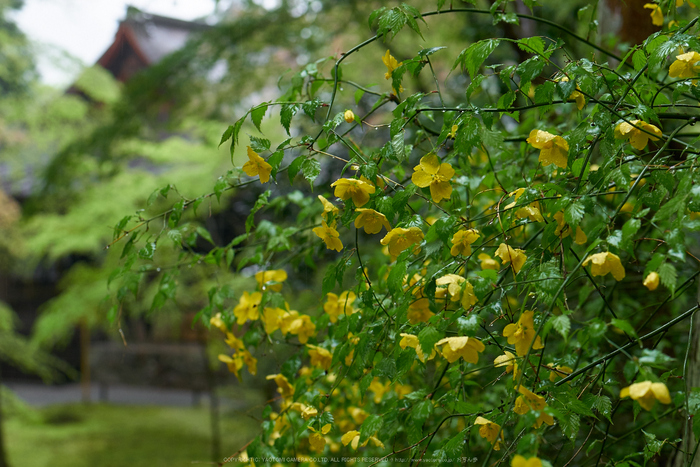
<point x="143" y="39"/>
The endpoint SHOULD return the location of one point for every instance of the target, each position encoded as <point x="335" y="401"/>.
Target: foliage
<point x="524" y="213"/>
<point x="521" y="220"/>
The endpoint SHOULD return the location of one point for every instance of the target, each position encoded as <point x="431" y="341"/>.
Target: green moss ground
<point x="118" y="436"/>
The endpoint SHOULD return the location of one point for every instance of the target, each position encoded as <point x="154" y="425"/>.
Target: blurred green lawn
<point x="101" y="435"/>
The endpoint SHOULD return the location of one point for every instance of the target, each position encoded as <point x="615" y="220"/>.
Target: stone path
<point x="41" y="395"/>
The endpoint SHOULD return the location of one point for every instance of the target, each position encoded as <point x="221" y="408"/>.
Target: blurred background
<point x="107" y="108"/>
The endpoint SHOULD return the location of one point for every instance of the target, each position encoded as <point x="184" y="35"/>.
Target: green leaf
<point x="328" y="280"/>
<point x="625" y="326"/>
<point x="259" y="144"/>
<point x="311" y="168"/>
<point x="391" y="22"/>
<point x="427" y="338"/>
<point x="257" y="114"/>
<point x="421" y="411"/>
<point x="532" y="45"/>
<point x="395" y="279"/>
<point x="668" y="276"/>
<point x="294" y="168"/>
<point x="652" y="445"/>
<point x="474" y="56"/>
<point x="397" y="147"/>
<point x="275" y="160"/>
<point x="562" y="324"/>
<point x="370" y="426"/>
<point x="387" y="367"/>
<point x="286" y="113"/>
<point x="227" y="135"/>
<point x="574" y="213"/>
<point x="358" y="95"/>
<point x="604" y="406"/>
<point x="310" y="108"/>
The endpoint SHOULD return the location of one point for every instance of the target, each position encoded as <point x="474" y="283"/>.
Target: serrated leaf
<point x="227" y="135"/>
<point x="562" y="324"/>
<point x="294" y="167"/>
<point x="667" y="274"/>
<point x="573" y="213"/>
<point x="474" y="56"/>
<point x="372" y="424"/>
<point x="603" y="405"/>
<point x="311" y="168"/>
<point x="257" y="114"/>
<point x="310" y="108"/>
<point x="287" y="112"/>
<point x="259" y="144"/>
<point x="396" y="276"/>
<point x="427" y="338"/>
<point x="421" y="411"/>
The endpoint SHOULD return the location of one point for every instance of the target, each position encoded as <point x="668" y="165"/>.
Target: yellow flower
<point x="291" y="322"/>
<point x="371" y="220"/>
<point x="531" y="211"/>
<point x="263" y="278"/>
<point x="647" y="393"/>
<point x="527" y="401"/>
<point x="457" y="287"/>
<point x="257" y="166"/>
<point x="247" y="308"/>
<point x="576" y="95"/>
<point x="330" y="237"/>
<point x="511" y="255"/>
<point x="317" y="442"/>
<point x="489" y="431"/>
<point x="390" y="62"/>
<point x="353" y="439"/>
<point x="379" y="389"/>
<point x="651" y="282"/>
<point x="237" y="360"/>
<point x="564" y="231"/>
<point x="419" y="311"/>
<point x="329" y="209"/>
<point x="488" y="263"/>
<point x="358" y="190"/>
<point x="462" y="240"/>
<point x="400" y="239"/>
<point x="409" y="340"/>
<point x="638" y="138"/>
<point x="553" y="149"/>
<point x="271" y="319"/>
<point x="430" y="172"/>
<point x="520" y="461"/>
<point x="604" y="263"/>
<point x="685" y="66"/>
<point x="453" y="131"/>
<point x="336" y="306"/>
<point x="320" y="357"/>
<point x="559" y="372"/>
<point x="657" y="16"/>
<point x="522" y="334"/>
<point x="218" y="323"/>
<point x="509" y="361"/>
<point x="234" y="342"/>
<point x="349" y="116"/>
<point x="466" y="347"/>
<point x="283" y="386"/>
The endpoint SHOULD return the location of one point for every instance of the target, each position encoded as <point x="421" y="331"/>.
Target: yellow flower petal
<point x="651" y="282"/>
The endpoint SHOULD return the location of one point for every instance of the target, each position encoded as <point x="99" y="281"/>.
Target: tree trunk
<point x="629" y="21"/>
